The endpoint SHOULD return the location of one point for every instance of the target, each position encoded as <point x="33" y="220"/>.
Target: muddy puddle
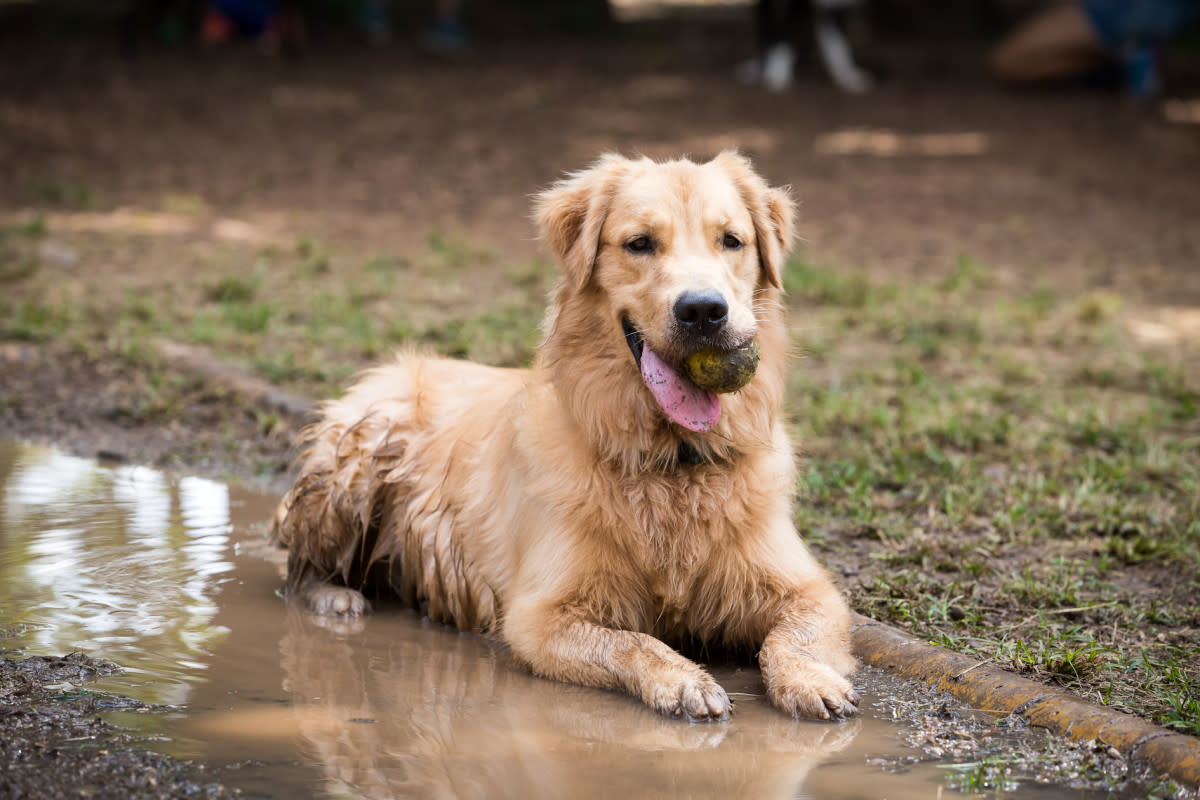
<point x="169" y="577"/>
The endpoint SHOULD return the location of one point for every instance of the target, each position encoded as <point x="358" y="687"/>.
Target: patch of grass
<point x="1039" y="303"/>
<point x="1095" y="432"/>
<point x="248" y="317"/>
<point x="505" y="336"/>
<point x="233" y="289"/>
<point x="34" y="227"/>
<point x="1168" y="674"/>
<point x="188" y="204"/>
<point x="314" y="258"/>
<point x="831" y="287"/>
<point x="535" y="274"/>
<point x="986" y="775"/>
<point x="20" y="257"/>
<point x="57" y="192"/>
<point x="30" y="321"/>
<point x="1071" y="654"/>
<point x="1008" y="475"/>
<point x="17" y="267"/>
<point x="301" y="323"/>
<point x="138" y="307"/>
<point x="451" y="252"/>
<point x="968" y="273"/>
<point x="286" y="367"/>
<point x="1098" y="306"/>
<point x="1133" y="549"/>
<point x="382" y="264"/>
<point x="1053" y="588"/>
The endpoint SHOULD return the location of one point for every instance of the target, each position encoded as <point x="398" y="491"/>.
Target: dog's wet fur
<point x="560" y="508"/>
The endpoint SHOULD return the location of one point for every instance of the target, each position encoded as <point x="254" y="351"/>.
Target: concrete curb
<point x="997" y="691"/>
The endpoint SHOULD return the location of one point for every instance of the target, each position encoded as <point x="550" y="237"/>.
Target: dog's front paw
<point x="816" y="691"/>
<point x="698" y="698"/>
<point x="328" y="600"/>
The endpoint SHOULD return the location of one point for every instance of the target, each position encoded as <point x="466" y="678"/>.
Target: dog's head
<point x="673" y="257"/>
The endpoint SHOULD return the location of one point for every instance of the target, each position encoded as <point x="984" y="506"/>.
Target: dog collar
<point x="689" y="455"/>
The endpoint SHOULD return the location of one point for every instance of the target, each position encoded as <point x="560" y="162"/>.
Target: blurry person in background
<point x="447" y="35"/>
<point x="1087" y="39"/>
<point x="775" y="23"/>
<point x="275" y="24"/>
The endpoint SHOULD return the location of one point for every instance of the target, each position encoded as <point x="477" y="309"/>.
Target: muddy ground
<point x="54" y="744"/>
<point x="138" y="192"/>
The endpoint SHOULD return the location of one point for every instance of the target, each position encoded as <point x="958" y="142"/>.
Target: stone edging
<point x="998" y="691"/>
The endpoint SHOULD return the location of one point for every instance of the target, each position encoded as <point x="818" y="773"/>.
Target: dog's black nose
<point x="704" y="312"/>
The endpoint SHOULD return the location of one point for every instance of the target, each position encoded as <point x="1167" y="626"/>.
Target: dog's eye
<point x="640" y="244"/>
<point x="731" y="242"/>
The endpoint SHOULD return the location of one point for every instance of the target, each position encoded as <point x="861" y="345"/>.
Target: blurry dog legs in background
<point x="1077" y="40"/>
<point x="775" y="64"/>
<point x="834" y="47"/>
<point x="775" y="21"/>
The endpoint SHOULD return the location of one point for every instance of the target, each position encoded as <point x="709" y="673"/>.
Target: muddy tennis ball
<point x="722" y="371"/>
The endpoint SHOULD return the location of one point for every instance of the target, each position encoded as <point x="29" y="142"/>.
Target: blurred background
<point x="380" y="124"/>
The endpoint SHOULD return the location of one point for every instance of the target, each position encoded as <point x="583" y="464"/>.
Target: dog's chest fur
<point x="660" y="526"/>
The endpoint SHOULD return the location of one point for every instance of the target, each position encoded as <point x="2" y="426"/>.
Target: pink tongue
<point x="683" y="401"/>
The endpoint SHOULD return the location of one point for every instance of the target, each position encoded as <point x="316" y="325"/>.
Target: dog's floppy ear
<point x="571" y="214"/>
<point x="770" y="208"/>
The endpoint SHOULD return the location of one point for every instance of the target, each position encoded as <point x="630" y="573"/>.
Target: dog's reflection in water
<point x="394" y="707"/>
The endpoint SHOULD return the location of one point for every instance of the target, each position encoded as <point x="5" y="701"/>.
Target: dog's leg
<point x="328" y="520"/>
<point x="561" y="644"/>
<point x="807" y="654"/>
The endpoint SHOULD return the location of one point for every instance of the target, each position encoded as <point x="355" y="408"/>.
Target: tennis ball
<point x="722" y="371"/>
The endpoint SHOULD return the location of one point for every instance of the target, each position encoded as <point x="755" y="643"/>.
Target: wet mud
<point x="53" y="743"/>
<point x="171" y="578"/>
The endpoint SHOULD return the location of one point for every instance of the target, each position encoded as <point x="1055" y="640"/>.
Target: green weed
<point x="988" y="774"/>
<point x="505" y="336"/>
<point x="33" y="322"/>
<point x="248" y="318"/>
<point x="34" y="227"/>
<point x="824" y="286"/>
<point x="56" y="192"/>
<point x="233" y="289"/>
<point x="451" y="252"/>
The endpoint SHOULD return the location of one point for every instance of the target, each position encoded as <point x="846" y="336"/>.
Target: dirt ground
<point x="53" y="738"/>
<point x="133" y="187"/>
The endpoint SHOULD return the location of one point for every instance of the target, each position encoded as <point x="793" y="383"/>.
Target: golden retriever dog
<point x="600" y="505"/>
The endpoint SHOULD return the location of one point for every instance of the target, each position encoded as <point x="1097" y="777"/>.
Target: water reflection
<point x="406" y="709"/>
<point x="120" y="563"/>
